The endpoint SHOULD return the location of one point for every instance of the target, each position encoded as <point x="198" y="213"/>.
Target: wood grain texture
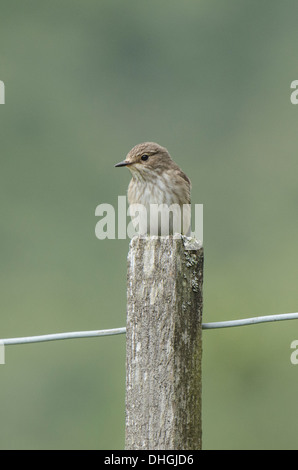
<point x="164" y="344"/>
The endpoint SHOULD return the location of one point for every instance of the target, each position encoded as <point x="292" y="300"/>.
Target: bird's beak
<point x="124" y="163"/>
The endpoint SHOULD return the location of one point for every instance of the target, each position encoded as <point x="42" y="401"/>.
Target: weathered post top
<point x="164" y="343"/>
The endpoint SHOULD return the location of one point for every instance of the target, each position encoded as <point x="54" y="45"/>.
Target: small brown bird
<point x="157" y="180"/>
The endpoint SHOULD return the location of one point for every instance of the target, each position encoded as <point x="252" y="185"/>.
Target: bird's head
<point x="147" y="158"/>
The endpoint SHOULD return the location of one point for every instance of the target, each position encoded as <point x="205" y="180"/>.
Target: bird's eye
<point x="144" y="157"/>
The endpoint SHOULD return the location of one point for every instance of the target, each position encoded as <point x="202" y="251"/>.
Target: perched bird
<point x="159" y="191"/>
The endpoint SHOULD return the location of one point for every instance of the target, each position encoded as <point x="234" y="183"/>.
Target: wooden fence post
<point x="164" y="344"/>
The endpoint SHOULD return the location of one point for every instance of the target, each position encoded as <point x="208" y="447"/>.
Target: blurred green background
<point x="85" y="81"/>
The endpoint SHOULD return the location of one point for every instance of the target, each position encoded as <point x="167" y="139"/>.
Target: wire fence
<point x="119" y="331"/>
